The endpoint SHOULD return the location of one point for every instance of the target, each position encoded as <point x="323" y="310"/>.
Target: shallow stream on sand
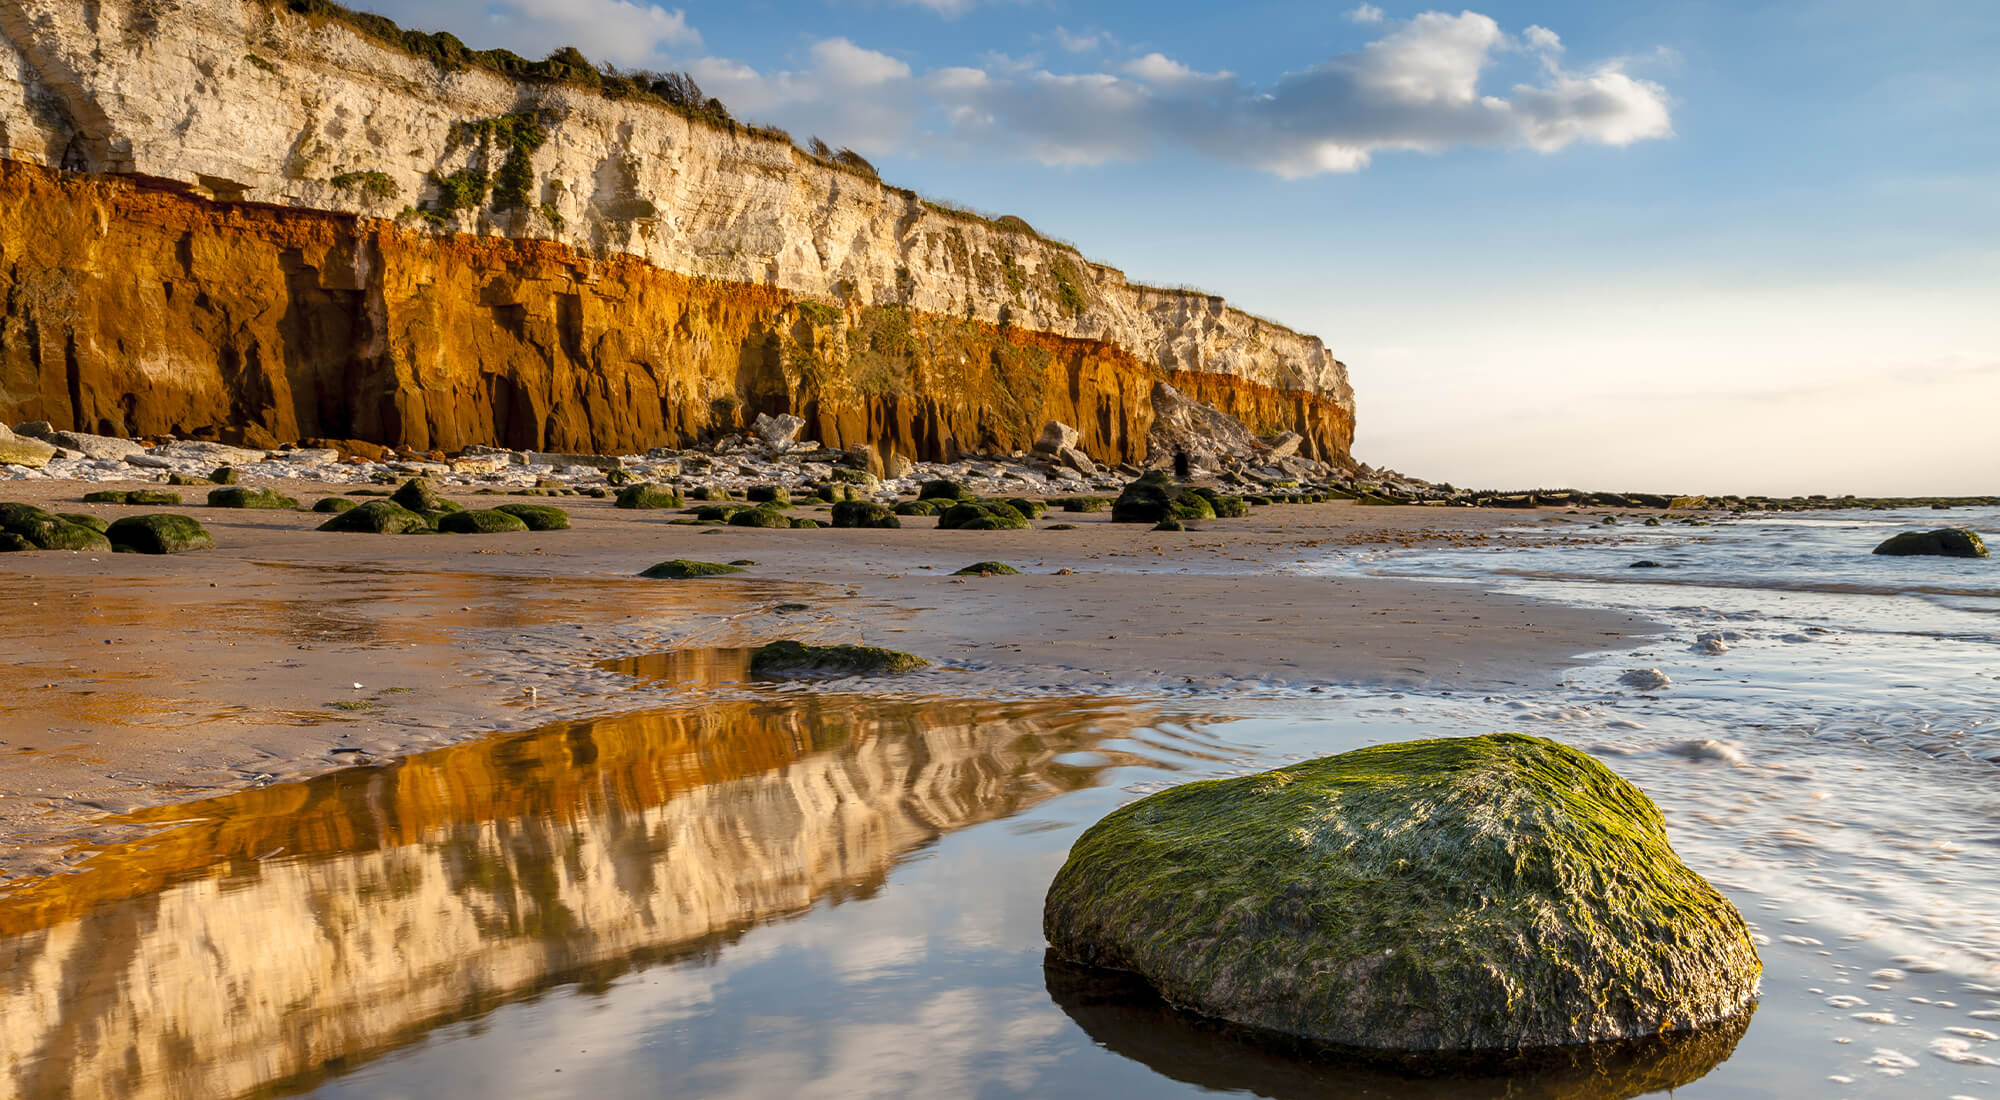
<point x="796" y="893"/>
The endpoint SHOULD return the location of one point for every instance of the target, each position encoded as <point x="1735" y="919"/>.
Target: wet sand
<point x="129" y="681"/>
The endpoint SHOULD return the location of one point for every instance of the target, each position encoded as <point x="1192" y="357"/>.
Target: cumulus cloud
<point x="1365" y="14"/>
<point x="1079" y="42"/>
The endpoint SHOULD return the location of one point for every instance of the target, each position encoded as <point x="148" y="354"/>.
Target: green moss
<point x="1170" y="524"/>
<point x="538" y="517"/>
<point x="1069" y="286"/>
<point x="379" y="517"/>
<point x="187" y="479"/>
<point x="1223" y="505"/>
<point x="680" y="569"/>
<point x="648" y="495"/>
<point x="375" y="185"/>
<point x="981" y="515"/>
<point x="95" y="523"/>
<point x="1949" y="542"/>
<point x="768" y="494"/>
<point x="260" y="63"/>
<point x="943" y="489"/>
<point x="107" y="496"/>
<point x="802" y="523"/>
<point x="160" y="533"/>
<point x="1060" y="527"/>
<point x="225" y="475"/>
<point x="11" y="543"/>
<point x="1082" y="504"/>
<point x="1031" y="509"/>
<point x="718" y="513"/>
<point x="332" y="505"/>
<point x="988" y="569"/>
<point x="1481" y="893"/>
<point x="483" y="521"/>
<point x="39" y="530"/>
<point x="237" y="496"/>
<point x="419" y="496"/>
<point x="790" y="658"/>
<point x="918" y="507"/>
<point x="762" y="516"/>
<point x="864" y="513"/>
<point x="1156" y="497"/>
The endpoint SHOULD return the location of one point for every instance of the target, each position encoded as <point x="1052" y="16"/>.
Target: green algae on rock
<point x="981" y="515"/>
<point x="767" y="494"/>
<point x="31" y="528"/>
<point x="764" y="515"/>
<point x="538" y="517"/>
<point x="864" y="513"/>
<point x="236" y="496"/>
<point x="379" y="517"/>
<point x="648" y="495"/>
<point x="943" y="489"/>
<point x="159" y="533"/>
<point x="789" y="658"/>
<point x="95" y="523"/>
<point x="332" y="505"/>
<point x="418" y="495"/>
<point x="918" y="507"/>
<point x="988" y="569"/>
<point x="1945" y="542"/>
<point x="1157" y="496"/>
<point x="1482" y="893"/>
<point x="480" y="521"/>
<point x="680" y="569"/>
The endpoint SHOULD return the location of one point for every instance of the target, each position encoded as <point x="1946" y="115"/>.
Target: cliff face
<point x="217" y="213"/>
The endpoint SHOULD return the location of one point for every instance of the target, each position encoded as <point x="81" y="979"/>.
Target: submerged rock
<point x="1156" y="497"/>
<point x="680" y="569"/>
<point x="789" y="658"/>
<point x="538" y="517"/>
<point x="1471" y="894"/>
<point x="160" y="533"/>
<point x="378" y="517"/>
<point x="1645" y="679"/>
<point x="1945" y="542"/>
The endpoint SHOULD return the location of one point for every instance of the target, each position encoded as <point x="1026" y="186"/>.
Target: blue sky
<point x="1703" y="246"/>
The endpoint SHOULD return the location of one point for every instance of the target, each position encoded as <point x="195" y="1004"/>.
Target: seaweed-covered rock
<point x="718" y="513"/>
<point x="11" y="543"/>
<point x="943" y="489"/>
<point x="480" y="521"/>
<point x="332" y="505"/>
<point x="419" y="496"/>
<point x="1480" y="893"/>
<point x="981" y="515"/>
<point x="1157" y="496"/>
<point x="159" y="533"/>
<point x="760" y="516"/>
<point x="680" y="569"/>
<point x="225" y="475"/>
<point x="1946" y="542"/>
<point x="41" y="530"/>
<point x="1170" y="524"/>
<point x="95" y="523"/>
<point x="864" y="513"/>
<point x="1223" y="505"/>
<point x="538" y="517"/>
<point x="918" y="507"/>
<point x="988" y="569"/>
<point x="1082" y="504"/>
<point x="790" y="658"/>
<point x="648" y="495"/>
<point x="378" y="517"/>
<point x="768" y="494"/>
<point x="236" y="496"/>
<point x="187" y="479"/>
<point x="155" y="498"/>
<point x="106" y="496"/>
<point x="1029" y="509"/>
<point x="806" y="524"/>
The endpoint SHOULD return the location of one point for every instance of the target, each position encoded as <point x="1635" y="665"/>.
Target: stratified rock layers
<point x="236" y="219"/>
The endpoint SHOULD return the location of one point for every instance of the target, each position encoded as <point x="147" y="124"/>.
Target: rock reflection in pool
<point x="1121" y="1013"/>
<point x="264" y="940"/>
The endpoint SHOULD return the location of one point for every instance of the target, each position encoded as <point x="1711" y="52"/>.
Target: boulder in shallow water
<point x="1945" y="542"/>
<point x="1470" y="894"/>
<point x="681" y="569"/>
<point x="1645" y="679"/>
<point x="160" y="533"/>
<point x="790" y="658"/>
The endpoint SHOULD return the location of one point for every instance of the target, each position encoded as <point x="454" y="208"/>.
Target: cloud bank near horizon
<point x="1418" y="86"/>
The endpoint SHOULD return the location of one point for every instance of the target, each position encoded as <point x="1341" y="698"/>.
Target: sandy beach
<point x="133" y="681"/>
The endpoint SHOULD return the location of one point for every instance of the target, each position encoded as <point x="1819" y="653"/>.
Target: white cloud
<point x="1365" y="14"/>
<point x="1160" y="70"/>
<point x="1072" y="42"/>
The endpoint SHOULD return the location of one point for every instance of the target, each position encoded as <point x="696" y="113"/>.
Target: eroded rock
<point x="1945" y="542"/>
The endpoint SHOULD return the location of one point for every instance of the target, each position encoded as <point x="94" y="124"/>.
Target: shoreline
<point x="141" y="681"/>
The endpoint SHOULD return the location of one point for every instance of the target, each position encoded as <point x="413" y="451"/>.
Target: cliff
<point x="219" y="215"/>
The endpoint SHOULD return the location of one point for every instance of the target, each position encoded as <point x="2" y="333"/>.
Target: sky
<point x="1701" y="246"/>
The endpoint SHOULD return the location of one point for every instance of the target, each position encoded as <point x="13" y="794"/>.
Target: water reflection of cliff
<point x="262" y="939"/>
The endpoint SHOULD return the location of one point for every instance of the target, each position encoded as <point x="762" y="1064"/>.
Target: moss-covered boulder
<point x="1031" y="509"/>
<point x="332" y="506"/>
<point x="1945" y="542"/>
<point x="1482" y="893"/>
<point x="988" y="569"/>
<point x="802" y="523"/>
<point x="1223" y="505"/>
<point x="538" y="517"/>
<point x="37" y="529"/>
<point x="1157" y="496"/>
<point x="237" y="496"/>
<point x="763" y="515"/>
<point x="864" y="513"/>
<point x="107" y="496"/>
<point x="648" y="495"/>
<point x="96" y="523"/>
<point x="159" y="533"/>
<point x="420" y="496"/>
<point x="479" y="521"/>
<point x="1170" y="524"/>
<point x="918" y="507"/>
<point x="680" y="569"/>
<point x="1082" y="504"/>
<point x="187" y="479"/>
<point x="790" y="658"/>
<point x="768" y="494"/>
<point x="379" y="517"/>
<point x="718" y="513"/>
<point x="153" y="497"/>
<point x="943" y="489"/>
<point x="981" y="515"/>
<point x="225" y="475"/>
<point x="12" y="543"/>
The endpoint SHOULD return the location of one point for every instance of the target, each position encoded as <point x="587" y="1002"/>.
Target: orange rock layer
<point x="133" y="309"/>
